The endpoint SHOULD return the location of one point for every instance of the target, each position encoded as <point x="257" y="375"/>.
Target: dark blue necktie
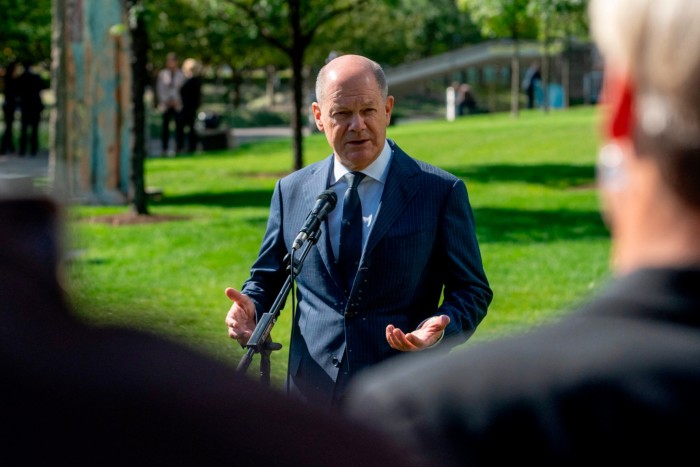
<point x="350" y="247"/>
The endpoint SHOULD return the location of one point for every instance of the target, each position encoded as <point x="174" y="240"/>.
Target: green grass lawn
<point x="530" y="182"/>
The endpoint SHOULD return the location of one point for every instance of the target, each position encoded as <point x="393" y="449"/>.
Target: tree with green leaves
<point x="505" y="19"/>
<point x="291" y="26"/>
<point x="393" y="32"/>
<point x="216" y="33"/>
<point x="248" y="35"/>
<point x="25" y="31"/>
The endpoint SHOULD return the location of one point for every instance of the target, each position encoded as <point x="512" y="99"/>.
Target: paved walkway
<point x="27" y="166"/>
<point x="238" y="136"/>
<point x="246" y="135"/>
<point x="13" y="166"/>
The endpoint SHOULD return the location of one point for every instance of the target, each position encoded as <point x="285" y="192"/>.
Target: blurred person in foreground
<point x="72" y="394"/>
<point x="417" y="274"/>
<point x="619" y="379"/>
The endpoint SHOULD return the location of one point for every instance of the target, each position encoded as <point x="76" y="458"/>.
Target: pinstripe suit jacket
<point x="422" y="245"/>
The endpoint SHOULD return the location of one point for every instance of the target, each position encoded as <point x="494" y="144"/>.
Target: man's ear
<point x="389" y="105"/>
<point x="618" y="96"/>
<point x="316" y="109"/>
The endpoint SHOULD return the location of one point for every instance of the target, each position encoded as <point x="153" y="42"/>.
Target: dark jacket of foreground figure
<point x="618" y="380"/>
<point x="76" y="395"/>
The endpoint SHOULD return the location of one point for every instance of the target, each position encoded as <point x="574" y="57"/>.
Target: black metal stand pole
<point x="260" y="341"/>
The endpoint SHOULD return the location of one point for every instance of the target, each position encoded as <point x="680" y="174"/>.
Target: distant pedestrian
<point x="9" y="106"/>
<point x="29" y="87"/>
<point x="170" y="80"/>
<point x="191" y="95"/>
<point x="466" y="103"/>
<point x="531" y="80"/>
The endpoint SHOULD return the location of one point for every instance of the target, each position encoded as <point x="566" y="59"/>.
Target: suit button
<point x="336" y="362"/>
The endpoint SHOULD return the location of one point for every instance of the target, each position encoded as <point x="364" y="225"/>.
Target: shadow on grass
<point x="524" y="226"/>
<point x="229" y="199"/>
<point x="551" y="175"/>
<point x="493" y="224"/>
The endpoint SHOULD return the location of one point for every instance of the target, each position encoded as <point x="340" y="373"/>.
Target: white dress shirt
<point x="370" y="191"/>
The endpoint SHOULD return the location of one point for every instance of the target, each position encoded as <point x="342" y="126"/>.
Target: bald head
<point x="350" y="66"/>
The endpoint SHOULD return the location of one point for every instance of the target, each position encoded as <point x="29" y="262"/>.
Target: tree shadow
<point x="538" y="226"/>
<point x="493" y="224"/>
<point x="228" y="199"/>
<point x="551" y="175"/>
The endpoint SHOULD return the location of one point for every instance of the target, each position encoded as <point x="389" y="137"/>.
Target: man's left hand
<point x="427" y="335"/>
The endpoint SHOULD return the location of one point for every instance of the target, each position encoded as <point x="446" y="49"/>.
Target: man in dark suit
<point x="77" y="395"/>
<point x="419" y="240"/>
<point x="617" y="381"/>
<point x="29" y="87"/>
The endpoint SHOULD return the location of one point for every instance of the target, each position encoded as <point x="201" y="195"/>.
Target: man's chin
<point x="360" y="156"/>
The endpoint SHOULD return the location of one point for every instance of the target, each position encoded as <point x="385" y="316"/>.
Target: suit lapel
<point x="318" y="182"/>
<point x="398" y="192"/>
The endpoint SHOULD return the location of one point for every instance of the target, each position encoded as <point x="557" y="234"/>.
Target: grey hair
<point x="658" y="43"/>
<point x="379" y="76"/>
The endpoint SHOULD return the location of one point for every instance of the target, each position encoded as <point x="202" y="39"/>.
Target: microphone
<point x="325" y="203"/>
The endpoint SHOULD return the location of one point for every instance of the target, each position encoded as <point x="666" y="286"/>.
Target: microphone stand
<point x="260" y="341"/>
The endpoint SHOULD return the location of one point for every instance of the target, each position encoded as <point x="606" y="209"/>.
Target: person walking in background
<point x="619" y="378"/>
<point x="531" y="81"/>
<point x="381" y="280"/>
<point x="191" y="95"/>
<point x="9" y="106"/>
<point x="29" y="87"/>
<point x="168" y="84"/>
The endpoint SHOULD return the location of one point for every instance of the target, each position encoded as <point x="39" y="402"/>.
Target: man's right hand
<point x="240" y="318"/>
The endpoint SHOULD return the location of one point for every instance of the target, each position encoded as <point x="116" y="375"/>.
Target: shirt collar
<point x="377" y="170"/>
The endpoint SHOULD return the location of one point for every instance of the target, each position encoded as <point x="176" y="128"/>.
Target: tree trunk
<point x="566" y="67"/>
<point x="270" y="88"/>
<point x="545" y="78"/>
<point x="139" y="79"/>
<point x="60" y="175"/>
<point x="297" y="58"/>
<point x="545" y="68"/>
<point x="515" y="79"/>
<point x="236" y="86"/>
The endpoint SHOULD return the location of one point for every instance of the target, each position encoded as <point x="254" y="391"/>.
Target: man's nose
<point x="357" y="122"/>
